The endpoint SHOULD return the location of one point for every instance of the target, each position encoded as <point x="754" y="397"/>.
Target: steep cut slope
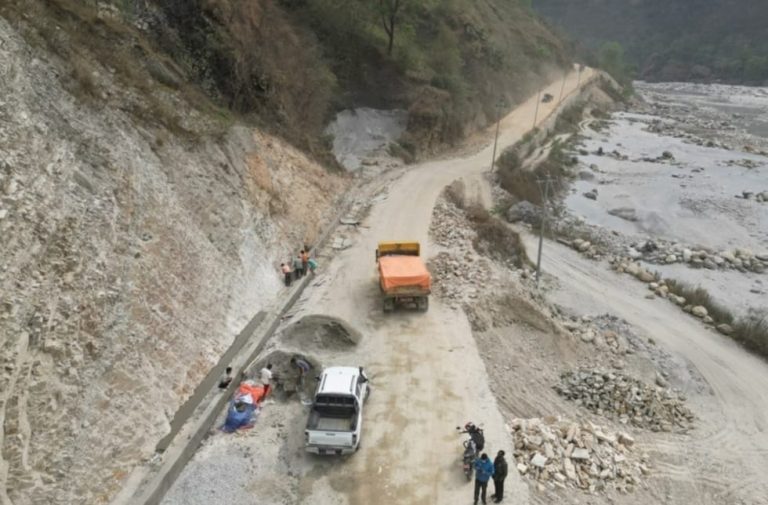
<point x="674" y="40"/>
<point x="132" y="253"/>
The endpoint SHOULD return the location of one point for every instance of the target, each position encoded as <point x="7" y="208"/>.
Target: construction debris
<point x="626" y="399"/>
<point x="563" y="454"/>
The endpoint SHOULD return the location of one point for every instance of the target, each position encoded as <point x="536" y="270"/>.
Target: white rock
<point x="687" y="255"/>
<point x="580" y="454"/>
<point x="699" y="311"/>
<point x="539" y="460"/>
<point x="523" y="469"/>
<point x="626" y="440"/>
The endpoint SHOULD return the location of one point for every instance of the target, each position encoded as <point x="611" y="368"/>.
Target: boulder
<point x="699" y="311"/>
<point x="592" y="195"/>
<point x="728" y="256"/>
<point x="687" y="255"/>
<point x="626" y="213"/>
<point x="645" y="276"/>
<point x="725" y="329"/>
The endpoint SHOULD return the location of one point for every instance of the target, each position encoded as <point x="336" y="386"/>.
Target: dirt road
<point x="427" y="374"/>
<point x="724" y="460"/>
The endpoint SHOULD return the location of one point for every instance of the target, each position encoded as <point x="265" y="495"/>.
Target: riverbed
<point x="686" y="166"/>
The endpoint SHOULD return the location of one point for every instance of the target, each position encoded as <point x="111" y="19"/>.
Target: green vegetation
<point x="700" y="296"/>
<point x="751" y="331"/>
<point x="288" y="65"/>
<point x="447" y="61"/>
<point x="680" y="40"/>
<point x="494" y="237"/>
<point x="611" y="59"/>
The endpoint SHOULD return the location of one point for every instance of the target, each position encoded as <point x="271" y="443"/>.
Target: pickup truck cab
<point x="336" y="419"/>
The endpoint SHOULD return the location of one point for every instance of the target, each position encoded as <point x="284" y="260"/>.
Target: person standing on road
<point x="298" y="267"/>
<point x="266" y="380"/>
<point x="226" y="378"/>
<point x="483" y="473"/>
<point x="312" y="264"/>
<point x="303" y="366"/>
<point x="286" y="269"/>
<point x="499" y="474"/>
<point x="304" y="255"/>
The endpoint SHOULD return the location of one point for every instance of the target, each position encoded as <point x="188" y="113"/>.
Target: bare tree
<point x="388" y="10"/>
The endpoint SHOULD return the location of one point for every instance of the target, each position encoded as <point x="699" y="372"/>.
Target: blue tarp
<point x="238" y="419"/>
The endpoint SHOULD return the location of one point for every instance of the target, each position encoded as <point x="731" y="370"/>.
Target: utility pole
<point x="544" y="185"/>
<point x="499" y="105"/>
<point x="536" y="114"/>
<point x="578" y="83"/>
<point x="562" y="88"/>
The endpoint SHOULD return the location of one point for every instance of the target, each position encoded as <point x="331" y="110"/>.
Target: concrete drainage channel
<point x="148" y="484"/>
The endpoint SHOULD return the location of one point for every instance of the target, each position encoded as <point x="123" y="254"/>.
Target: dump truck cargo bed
<point x="404" y="273"/>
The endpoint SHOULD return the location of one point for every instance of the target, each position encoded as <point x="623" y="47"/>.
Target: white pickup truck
<point x="336" y="420"/>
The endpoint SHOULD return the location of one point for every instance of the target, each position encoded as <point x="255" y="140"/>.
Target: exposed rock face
<point x="130" y="259"/>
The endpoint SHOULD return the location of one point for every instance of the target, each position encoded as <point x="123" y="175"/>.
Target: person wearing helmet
<point x="476" y="434"/>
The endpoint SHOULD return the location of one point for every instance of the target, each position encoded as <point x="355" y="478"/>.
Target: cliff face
<point x="132" y="253"/>
<point x="674" y="40"/>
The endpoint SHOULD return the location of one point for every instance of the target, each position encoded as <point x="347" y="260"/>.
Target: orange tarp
<point x="245" y="389"/>
<point x="403" y="272"/>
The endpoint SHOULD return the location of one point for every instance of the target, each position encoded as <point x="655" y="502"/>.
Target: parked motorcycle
<point x="469" y="457"/>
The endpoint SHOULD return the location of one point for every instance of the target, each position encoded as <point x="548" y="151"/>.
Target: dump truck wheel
<point x="423" y="304"/>
<point x="389" y="305"/>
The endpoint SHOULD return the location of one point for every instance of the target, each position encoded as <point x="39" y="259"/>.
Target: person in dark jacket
<point x="476" y="434"/>
<point x="483" y="472"/>
<point x="500" y="473"/>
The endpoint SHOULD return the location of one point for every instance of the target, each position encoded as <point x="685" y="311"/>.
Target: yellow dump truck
<point x="403" y="276"/>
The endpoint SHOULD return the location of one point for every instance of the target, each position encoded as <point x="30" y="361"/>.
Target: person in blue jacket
<point x="483" y="472"/>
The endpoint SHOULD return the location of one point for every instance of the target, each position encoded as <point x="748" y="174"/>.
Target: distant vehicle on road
<point x="336" y="419"/>
<point x="547" y="98"/>
<point x="403" y="276"/>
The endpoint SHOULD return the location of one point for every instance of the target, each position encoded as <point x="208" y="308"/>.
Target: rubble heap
<point x="564" y="454"/>
<point x="612" y="394"/>
<point x="455" y="277"/>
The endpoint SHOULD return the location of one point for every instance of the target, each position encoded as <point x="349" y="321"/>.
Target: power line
<point x="544" y="185"/>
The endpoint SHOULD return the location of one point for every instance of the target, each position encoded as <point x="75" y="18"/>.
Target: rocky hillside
<point x="704" y="40"/>
<point x="293" y="63"/>
<point x="139" y="235"/>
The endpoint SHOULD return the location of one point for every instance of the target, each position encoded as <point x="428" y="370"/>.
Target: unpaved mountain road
<point x="724" y="460"/>
<point x="427" y="373"/>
